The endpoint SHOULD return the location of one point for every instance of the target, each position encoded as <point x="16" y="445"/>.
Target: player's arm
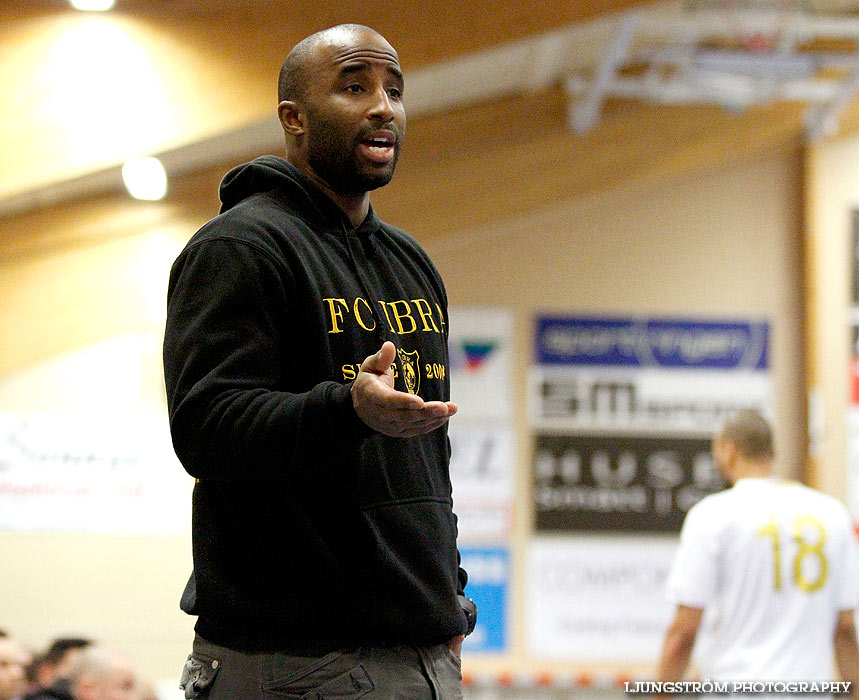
<point x="679" y="640"/>
<point x="847" y="651"/>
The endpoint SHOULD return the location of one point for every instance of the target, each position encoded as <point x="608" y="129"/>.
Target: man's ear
<point x="291" y="118"/>
<point x="732" y="450"/>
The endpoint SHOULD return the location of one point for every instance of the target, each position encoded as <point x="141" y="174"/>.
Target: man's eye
<point x="355" y="87"/>
<point x="395" y="92"/>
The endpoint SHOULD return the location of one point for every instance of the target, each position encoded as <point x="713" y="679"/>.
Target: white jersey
<point x="772" y="563"/>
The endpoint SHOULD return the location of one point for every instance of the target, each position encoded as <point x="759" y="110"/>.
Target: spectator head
<point x="58" y="661"/>
<point x="13" y="662"/>
<point x="102" y="674"/>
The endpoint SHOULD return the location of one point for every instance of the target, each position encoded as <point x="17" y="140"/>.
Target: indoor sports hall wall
<point x="82" y="298"/>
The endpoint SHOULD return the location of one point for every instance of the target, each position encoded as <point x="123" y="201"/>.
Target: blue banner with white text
<point x="652" y="342"/>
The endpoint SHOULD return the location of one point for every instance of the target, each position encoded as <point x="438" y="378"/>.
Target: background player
<point x="774" y="566"/>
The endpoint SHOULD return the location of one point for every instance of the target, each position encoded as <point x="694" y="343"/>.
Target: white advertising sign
<point x="646" y="400"/>
<point x="91" y="473"/>
<point x="480" y="362"/>
<point x="481" y="433"/>
<point x="644" y="375"/>
<point x="598" y="600"/>
<point x="481" y="469"/>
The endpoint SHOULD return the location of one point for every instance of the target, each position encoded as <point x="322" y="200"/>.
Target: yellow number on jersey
<point x="804" y="549"/>
<point x="809" y="549"/>
<point x="771" y="530"/>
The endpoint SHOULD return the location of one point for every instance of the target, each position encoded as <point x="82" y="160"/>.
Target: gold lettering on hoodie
<point x="358" y="314"/>
<point x="406" y="314"/>
<point x="387" y="317"/>
<point x="402" y="316"/>
<point x="425" y="312"/>
<point x="336" y="313"/>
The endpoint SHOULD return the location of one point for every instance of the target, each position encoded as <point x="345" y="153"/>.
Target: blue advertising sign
<point x="488" y="576"/>
<point x="652" y="342"/>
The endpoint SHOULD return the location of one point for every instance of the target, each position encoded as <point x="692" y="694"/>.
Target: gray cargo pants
<point x="400" y="672"/>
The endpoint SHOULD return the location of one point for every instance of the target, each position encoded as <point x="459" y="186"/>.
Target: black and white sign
<point x="610" y="482"/>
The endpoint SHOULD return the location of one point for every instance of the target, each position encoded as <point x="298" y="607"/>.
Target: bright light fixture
<point x="92" y="5"/>
<point x="145" y="178"/>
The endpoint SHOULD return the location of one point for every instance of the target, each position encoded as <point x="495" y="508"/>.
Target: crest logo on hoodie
<point x="411" y="369"/>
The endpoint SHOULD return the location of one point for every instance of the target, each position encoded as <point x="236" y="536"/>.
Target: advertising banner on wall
<point x="488" y="583"/>
<point x="91" y="473"/>
<point x="623" y="411"/>
<point x="598" y="600"/>
<point x="480" y="346"/>
<point x="481" y="469"/>
<point x="85" y="444"/>
<point x="635" y="483"/>
<point x="481" y="433"/>
<point x="852" y="414"/>
<point x="650" y="375"/>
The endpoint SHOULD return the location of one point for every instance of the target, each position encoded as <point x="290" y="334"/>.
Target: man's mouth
<point x="379" y="147"/>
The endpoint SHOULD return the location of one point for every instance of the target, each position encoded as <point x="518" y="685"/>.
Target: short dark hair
<point x="293" y="73"/>
<point x="58" y="648"/>
<point x="751" y="433"/>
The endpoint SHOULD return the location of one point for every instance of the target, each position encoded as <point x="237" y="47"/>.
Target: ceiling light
<point x="145" y="178"/>
<point x="92" y="5"/>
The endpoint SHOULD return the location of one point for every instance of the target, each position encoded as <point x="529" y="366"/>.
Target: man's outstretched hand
<point x="389" y="411"/>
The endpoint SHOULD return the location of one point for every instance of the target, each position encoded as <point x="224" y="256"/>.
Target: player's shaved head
<point x="751" y="433"/>
<point x="294" y="71"/>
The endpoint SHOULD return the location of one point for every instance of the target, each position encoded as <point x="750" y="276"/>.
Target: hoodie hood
<point x="271" y="174"/>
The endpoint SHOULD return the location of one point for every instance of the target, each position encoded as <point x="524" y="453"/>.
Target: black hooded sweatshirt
<point x="307" y="524"/>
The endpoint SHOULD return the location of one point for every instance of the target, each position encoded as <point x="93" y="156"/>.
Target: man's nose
<point x="382" y="107"/>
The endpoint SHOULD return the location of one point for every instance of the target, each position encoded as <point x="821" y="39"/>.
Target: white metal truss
<point x="730" y="54"/>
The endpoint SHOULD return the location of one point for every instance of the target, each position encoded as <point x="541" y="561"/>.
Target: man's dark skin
<point x="345" y="132"/>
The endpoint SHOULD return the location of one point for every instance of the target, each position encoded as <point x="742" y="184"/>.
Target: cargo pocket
<point x="347" y="686"/>
<point x="198" y="675"/>
<point x="323" y="680"/>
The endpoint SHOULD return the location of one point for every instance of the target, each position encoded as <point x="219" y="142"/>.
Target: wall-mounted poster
<point x="488" y="584"/>
<point x="681" y="375"/>
<point x="481" y="433"/>
<point x="623" y="411"/>
<point x="598" y="600"/>
<point x="638" y="483"/>
<point x="94" y="473"/>
<point x="85" y="444"/>
<point x="852" y="414"/>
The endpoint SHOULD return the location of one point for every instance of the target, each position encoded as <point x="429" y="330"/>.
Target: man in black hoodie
<point x="306" y="365"/>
